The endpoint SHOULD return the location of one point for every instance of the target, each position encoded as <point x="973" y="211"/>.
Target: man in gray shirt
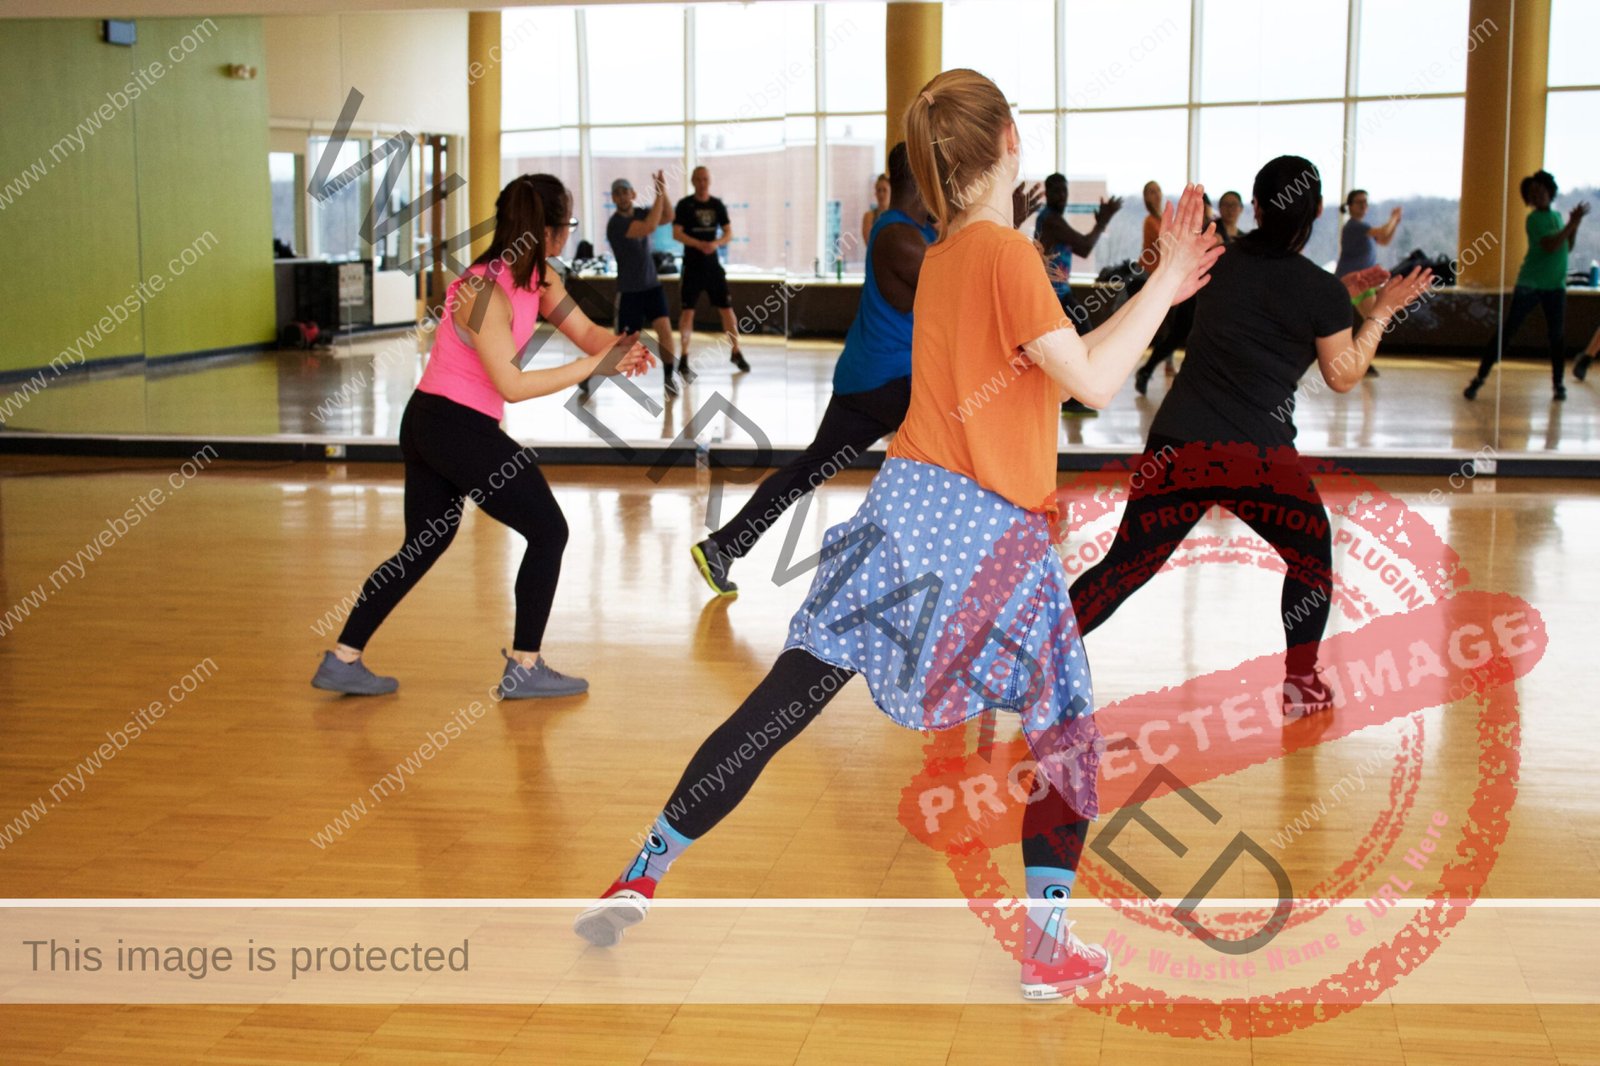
<point x="643" y="300"/>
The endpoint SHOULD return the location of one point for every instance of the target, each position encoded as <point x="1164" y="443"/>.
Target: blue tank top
<point x="878" y="347"/>
<point x="1060" y="255"/>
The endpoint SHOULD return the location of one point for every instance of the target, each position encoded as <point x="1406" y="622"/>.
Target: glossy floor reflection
<point x="358" y="391"/>
<point x="224" y="796"/>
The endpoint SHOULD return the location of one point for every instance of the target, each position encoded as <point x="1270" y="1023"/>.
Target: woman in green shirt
<point x="1542" y="281"/>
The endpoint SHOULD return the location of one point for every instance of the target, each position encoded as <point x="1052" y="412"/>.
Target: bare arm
<point x="643" y="227"/>
<point x="727" y="235"/>
<point x="687" y="241"/>
<point x="658" y="212"/>
<point x="1093" y="375"/>
<point x="1054" y="231"/>
<point x="496" y="348"/>
<point x="897" y="263"/>
<point x="1343" y="357"/>
<point x="1569" y="233"/>
<point x="1385" y="233"/>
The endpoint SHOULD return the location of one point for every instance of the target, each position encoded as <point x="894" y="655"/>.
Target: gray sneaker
<point x="352" y="679"/>
<point x="537" y="682"/>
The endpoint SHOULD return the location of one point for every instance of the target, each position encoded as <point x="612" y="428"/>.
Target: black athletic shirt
<point x="1255" y="334"/>
<point x="700" y="220"/>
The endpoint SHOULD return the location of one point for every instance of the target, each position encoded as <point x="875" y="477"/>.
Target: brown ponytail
<point x="953" y="130"/>
<point x="527" y="204"/>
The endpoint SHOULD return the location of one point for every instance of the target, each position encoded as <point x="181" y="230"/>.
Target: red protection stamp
<point x="1410" y="634"/>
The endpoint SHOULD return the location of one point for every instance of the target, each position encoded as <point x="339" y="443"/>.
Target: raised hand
<point x="659" y="178"/>
<point x="1189" y="242"/>
<point x="1109" y="206"/>
<point x="1025" y="201"/>
<point x="1581" y="210"/>
<point x="1400" y="290"/>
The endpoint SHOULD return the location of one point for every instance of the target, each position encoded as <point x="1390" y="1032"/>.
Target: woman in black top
<point x="1225" y="435"/>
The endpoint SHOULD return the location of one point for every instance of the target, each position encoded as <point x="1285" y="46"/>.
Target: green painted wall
<point x="172" y="167"/>
<point x="204" y="187"/>
<point x="70" y="233"/>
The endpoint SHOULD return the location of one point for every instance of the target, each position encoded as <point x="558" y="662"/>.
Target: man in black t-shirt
<point x="701" y="224"/>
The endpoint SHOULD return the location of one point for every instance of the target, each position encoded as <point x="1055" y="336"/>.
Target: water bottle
<point x="1594" y="274"/>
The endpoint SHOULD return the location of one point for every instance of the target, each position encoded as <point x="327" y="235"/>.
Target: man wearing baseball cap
<point x="643" y="300"/>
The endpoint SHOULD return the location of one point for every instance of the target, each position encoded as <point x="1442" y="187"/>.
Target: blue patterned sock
<point x="662" y="845"/>
<point x="1047" y="921"/>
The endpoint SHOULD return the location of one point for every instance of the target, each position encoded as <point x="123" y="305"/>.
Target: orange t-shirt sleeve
<point x="1026" y="307"/>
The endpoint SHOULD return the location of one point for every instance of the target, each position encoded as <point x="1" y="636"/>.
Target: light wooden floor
<point x="223" y="796"/>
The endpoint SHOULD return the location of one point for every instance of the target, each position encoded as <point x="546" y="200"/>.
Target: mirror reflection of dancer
<point x="1267" y="316"/>
<point x="641" y="299"/>
<point x="964" y="500"/>
<point x="1175" y="331"/>
<point x="454" y="447"/>
<point x="882" y="193"/>
<point x="871" y="380"/>
<point x="1542" y="282"/>
<point x="700" y="223"/>
<point x="1358" y="253"/>
<point x="1060" y="243"/>
<point x="1230" y="205"/>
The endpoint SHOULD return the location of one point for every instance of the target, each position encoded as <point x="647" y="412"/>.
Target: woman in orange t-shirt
<point x="944" y="590"/>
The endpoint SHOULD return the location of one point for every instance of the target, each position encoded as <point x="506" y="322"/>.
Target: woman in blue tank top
<point x="871" y="381"/>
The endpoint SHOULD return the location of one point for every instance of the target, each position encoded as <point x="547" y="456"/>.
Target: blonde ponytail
<point x="953" y="129"/>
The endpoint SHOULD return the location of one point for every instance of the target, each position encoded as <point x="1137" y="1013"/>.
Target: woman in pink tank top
<point x="454" y="448"/>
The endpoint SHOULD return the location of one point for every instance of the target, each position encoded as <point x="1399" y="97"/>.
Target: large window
<point x="977" y="31"/>
<point x="1574" y="29"/>
<point x="1571" y="146"/>
<point x="1126" y="55"/>
<point x="635" y="63"/>
<point x="785" y="103"/>
<point x="1256" y="50"/>
<point x="336" y="220"/>
<point x="625" y="90"/>
<point x="1402" y="51"/>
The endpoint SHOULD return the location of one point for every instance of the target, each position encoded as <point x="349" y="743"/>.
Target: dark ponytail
<point x="525" y="207"/>
<point x="1288" y="195"/>
<point x="1350" y="198"/>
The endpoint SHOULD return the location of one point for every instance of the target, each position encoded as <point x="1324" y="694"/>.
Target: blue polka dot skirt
<point x="951" y="600"/>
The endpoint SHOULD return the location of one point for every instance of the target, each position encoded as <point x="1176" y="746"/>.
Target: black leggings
<point x="1158" y="518"/>
<point x="788" y="699"/>
<point x="1523" y="301"/>
<point x="851" y="424"/>
<point x="452" y="452"/>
